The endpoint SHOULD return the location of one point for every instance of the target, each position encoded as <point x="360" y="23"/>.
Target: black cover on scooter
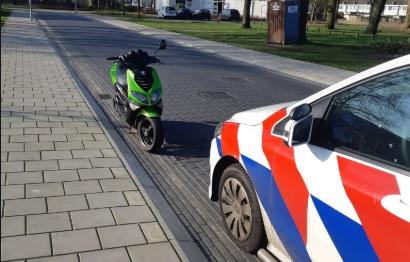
<point x="137" y="62"/>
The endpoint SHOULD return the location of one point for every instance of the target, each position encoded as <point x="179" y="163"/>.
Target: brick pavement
<point x="65" y="193"/>
<point x="181" y="171"/>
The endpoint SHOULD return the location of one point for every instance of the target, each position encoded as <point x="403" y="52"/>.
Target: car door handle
<point x="395" y="205"/>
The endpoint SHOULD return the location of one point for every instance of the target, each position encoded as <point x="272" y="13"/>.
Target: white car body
<point x="322" y="176"/>
<point x="167" y="12"/>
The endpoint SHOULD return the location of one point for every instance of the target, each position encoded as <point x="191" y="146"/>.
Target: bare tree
<point x="375" y="15"/>
<point x="246" y="22"/>
<point x="316" y="5"/>
<point x="139" y="9"/>
<point x="331" y="13"/>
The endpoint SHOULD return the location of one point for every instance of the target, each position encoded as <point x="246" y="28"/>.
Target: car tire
<point x="239" y="209"/>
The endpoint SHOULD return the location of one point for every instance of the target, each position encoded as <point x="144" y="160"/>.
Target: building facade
<point x="393" y="8"/>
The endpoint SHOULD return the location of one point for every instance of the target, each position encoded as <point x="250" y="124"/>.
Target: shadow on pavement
<point x="188" y="139"/>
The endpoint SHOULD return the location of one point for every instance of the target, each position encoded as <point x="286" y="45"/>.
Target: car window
<point x="372" y="119"/>
<point x="170" y="9"/>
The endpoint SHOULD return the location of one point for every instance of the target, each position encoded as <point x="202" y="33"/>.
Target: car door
<point x="356" y="171"/>
<point x="334" y="201"/>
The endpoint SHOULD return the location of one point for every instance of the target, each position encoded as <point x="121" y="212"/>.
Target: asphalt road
<point x="200" y="90"/>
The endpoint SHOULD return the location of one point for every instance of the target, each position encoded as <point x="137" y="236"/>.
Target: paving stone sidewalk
<point x="65" y="193"/>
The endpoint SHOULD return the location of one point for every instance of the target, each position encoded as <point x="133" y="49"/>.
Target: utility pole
<point x="75" y="6"/>
<point x="31" y="10"/>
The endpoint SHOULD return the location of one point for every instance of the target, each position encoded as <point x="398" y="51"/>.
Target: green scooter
<point x="138" y="95"/>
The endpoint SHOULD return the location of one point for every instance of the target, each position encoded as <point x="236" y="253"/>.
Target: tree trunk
<point x="375" y="15"/>
<point x="304" y="8"/>
<point x="407" y="22"/>
<point x="312" y="14"/>
<point x="331" y="14"/>
<point x="139" y="9"/>
<point x="246" y="22"/>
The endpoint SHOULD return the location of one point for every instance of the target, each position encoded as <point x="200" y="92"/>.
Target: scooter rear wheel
<point x="150" y="134"/>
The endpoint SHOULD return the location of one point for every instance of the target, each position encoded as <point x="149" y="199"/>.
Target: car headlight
<point x="218" y="129"/>
<point x="156" y="96"/>
<point x="142" y="98"/>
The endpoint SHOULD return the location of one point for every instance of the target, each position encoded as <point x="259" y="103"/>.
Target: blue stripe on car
<point x="219" y="146"/>
<point x="348" y="236"/>
<point x="278" y="213"/>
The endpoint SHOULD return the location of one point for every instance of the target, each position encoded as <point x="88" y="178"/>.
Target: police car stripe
<point x="349" y="237"/>
<point x="229" y="136"/>
<point x="318" y="238"/>
<point x="366" y="187"/>
<point x="279" y="215"/>
<point x="319" y="170"/>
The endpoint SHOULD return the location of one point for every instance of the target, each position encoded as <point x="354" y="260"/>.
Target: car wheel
<point x="239" y="209"/>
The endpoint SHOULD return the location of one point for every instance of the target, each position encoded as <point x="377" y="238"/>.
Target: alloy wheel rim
<point x="236" y="209"/>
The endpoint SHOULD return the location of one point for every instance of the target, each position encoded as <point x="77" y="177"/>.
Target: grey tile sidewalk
<point x="65" y="193"/>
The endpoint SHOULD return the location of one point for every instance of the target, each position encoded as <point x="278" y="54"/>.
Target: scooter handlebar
<point x="112" y="58"/>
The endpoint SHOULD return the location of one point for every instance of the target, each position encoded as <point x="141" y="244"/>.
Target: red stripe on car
<point x="229" y="138"/>
<point x="285" y="173"/>
<point x="366" y="187"/>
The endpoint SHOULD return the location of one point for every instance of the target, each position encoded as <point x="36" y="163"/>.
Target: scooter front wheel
<point x="150" y="134"/>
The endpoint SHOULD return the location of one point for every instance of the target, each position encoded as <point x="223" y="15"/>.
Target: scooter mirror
<point x="162" y="44"/>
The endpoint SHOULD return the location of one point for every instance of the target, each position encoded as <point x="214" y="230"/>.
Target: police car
<point x="323" y="179"/>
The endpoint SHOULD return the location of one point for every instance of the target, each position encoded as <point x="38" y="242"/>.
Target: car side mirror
<point x="300" y="112"/>
<point x="299" y="127"/>
<point x="162" y="44"/>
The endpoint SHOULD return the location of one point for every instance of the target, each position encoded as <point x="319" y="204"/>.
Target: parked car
<point x="167" y="12"/>
<point x="202" y="14"/>
<point x="230" y="15"/>
<point x="131" y="7"/>
<point x="184" y="13"/>
<point x="322" y="179"/>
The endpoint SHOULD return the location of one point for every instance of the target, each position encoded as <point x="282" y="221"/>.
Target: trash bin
<point x="283" y="21"/>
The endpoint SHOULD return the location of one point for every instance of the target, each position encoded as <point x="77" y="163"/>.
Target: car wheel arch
<point x="220" y="167"/>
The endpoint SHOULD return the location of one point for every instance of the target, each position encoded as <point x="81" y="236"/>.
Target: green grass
<point x="347" y="47"/>
<point x="4" y="14"/>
